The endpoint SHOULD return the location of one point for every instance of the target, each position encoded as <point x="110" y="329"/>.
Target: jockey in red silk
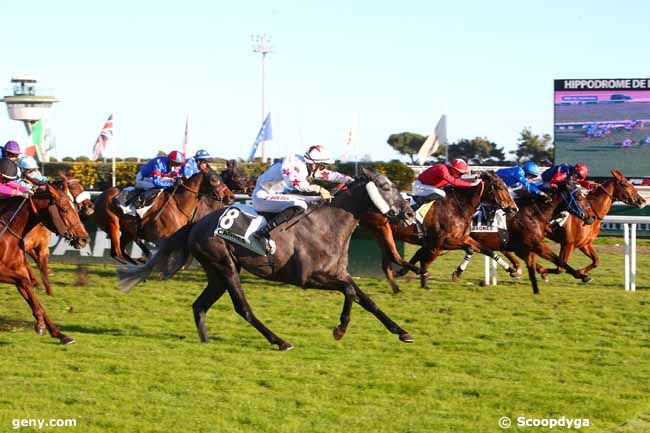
<point x="431" y="181"/>
<point x="160" y="172"/>
<point x="565" y="172"/>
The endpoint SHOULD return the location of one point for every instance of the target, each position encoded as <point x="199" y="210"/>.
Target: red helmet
<point x="581" y="170"/>
<point x="460" y="166"/>
<point x="175" y="157"/>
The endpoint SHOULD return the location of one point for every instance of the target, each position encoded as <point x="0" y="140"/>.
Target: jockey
<point x="160" y="172"/>
<point x="30" y="172"/>
<point x="564" y="173"/>
<point x="11" y="150"/>
<point x="8" y="185"/>
<point x="199" y="162"/>
<point x="430" y="182"/>
<point x="561" y="174"/>
<point x="281" y="188"/>
<point x="521" y="178"/>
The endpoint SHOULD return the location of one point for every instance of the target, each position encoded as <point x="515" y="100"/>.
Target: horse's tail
<point x="173" y="254"/>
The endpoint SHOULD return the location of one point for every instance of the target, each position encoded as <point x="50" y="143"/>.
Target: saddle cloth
<point x="488" y="220"/>
<point x="237" y="225"/>
<point x="134" y="201"/>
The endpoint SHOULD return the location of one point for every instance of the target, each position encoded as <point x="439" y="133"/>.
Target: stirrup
<point x="266" y="241"/>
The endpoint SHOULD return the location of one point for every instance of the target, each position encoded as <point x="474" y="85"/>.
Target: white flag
<point x="433" y="141"/>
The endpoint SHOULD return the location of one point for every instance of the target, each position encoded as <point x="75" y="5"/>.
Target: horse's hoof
<point x="285" y="346"/>
<point x="67" y="340"/>
<point x="587" y="279"/>
<point x="406" y="338"/>
<point x="338" y="333"/>
<point x="545" y="278"/>
<point x="40" y="330"/>
<point x="516" y="274"/>
<point x="455" y="276"/>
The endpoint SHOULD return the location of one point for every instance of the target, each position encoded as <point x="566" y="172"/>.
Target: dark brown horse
<point x="528" y="228"/>
<point x="53" y="208"/>
<point x="175" y="207"/>
<point x="37" y="241"/>
<point x="575" y="234"/>
<point x="447" y="227"/>
<point x="312" y="252"/>
<point x="235" y="179"/>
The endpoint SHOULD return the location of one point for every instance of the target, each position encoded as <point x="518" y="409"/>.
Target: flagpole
<point x="113" y="150"/>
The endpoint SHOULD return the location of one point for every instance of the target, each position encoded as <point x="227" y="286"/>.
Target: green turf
<point x="576" y="350"/>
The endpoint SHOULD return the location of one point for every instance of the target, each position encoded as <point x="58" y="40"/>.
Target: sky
<point x="387" y="67"/>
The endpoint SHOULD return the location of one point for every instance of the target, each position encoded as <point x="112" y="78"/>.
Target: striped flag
<point x="102" y="140"/>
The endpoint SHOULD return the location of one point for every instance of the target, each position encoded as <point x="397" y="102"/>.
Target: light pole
<point x="262" y="44"/>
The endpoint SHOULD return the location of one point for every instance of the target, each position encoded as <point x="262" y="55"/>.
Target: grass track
<point x="576" y="350"/>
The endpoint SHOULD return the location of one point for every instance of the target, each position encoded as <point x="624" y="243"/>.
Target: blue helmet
<point x="202" y="154"/>
<point x="531" y="169"/>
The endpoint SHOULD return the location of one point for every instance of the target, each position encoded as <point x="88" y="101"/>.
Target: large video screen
<point x="604" y="123"/>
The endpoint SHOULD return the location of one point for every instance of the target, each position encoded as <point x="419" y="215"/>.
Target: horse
<point x="312" y="252"/>
<point x="37" y="241"/>
<point x="447" y="227"/>
<point x="176" y="206"/>
<point x="235" y="179"/>
<point x="53" y="208"/>
<point x="527" y="229"/>
<point x="574" y="234"/>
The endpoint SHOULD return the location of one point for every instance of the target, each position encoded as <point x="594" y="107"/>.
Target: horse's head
<point x="388" y="200"/>
<point x="235" y="180"/>
<point x="496" y="192"/>
<point x="574" y="200"/>
<point x="78" y="195"/>
<point x="56" y="211"/>
<point x="626" y="192"/>
<point x="214" y="188"/>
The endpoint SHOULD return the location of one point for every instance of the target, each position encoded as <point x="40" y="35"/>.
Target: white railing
<point x="629" y="242"/>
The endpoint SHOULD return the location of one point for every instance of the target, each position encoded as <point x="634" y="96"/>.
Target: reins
<point x="8" y="223"/>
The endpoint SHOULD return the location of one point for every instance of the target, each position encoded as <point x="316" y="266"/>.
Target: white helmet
<point x="27" y="163"/>
<point x="318" y="155"/>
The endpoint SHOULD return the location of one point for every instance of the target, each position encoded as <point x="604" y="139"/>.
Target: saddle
<point x="136" y="202"/>
<point x="238" y="223"/>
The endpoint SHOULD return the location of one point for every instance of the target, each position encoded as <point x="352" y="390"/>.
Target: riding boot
<point x="278" y="219"/>
<point x="420" y="228"/>
<point x="560" y="220"/>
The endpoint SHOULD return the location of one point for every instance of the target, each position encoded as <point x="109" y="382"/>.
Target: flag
<point x="265" y="134"/>
<point x="433" y="141"/>
<point x="186" y="138"/>
<point x="36" y="150"/>
<point x="352" y="138"/>
<point x="102" y="140"/>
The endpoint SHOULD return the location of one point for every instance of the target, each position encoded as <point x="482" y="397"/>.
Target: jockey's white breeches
<point x="422" y="190"/>
<point x="265" y="201"/>
<point x="143" y="182"/>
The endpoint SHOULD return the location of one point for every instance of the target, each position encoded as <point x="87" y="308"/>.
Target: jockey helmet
<point x="202" y="154"/>
<point x="8" y="169"/>
<point x="175" y="157"/>
<point x="12" y="147"/>
<point x="318" y="155"/>
<point x="27" y="163"/>
<point x="531" y="169"/>
<point x="581" y="170"/>
<point x="460" y="166"/>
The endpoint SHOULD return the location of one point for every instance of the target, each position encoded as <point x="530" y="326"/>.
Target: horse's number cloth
<point x="238" y="223"/>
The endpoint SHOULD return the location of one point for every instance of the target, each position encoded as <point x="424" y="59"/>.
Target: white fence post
<point x="486" y="277"/>
<point x="633" y="259"/>
<point x="626" y="252"/>
<point x="493" y="272"/>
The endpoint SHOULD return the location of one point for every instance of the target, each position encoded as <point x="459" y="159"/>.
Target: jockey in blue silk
<point x="160" y="172"/>
<point x="198" y="162"/>
<point x="29" y="170"/>
<point x="521" y="177"/>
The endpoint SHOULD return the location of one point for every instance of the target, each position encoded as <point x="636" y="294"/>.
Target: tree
<point x="161" y="153"/>
<point x="533" y="147"/>
<point x="406" y="143"/>
<point x="82" y="158"/>
<point x="477" y="151"/>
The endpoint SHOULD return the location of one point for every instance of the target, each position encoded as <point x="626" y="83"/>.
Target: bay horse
<point x="447" y="227"/>
<point x="235" y="179"/>
<point x="528" y="228"/>
<point x="312" y="252"/>
<point x="574" y="234"/>
<point x="18" y="216"/>
<point x="171" y="210"/>
<point x="37" y="241"/>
